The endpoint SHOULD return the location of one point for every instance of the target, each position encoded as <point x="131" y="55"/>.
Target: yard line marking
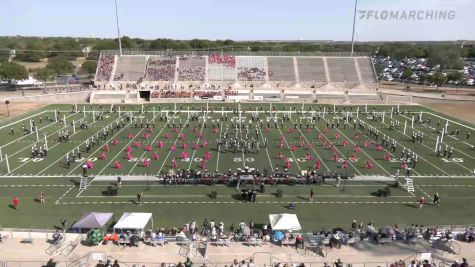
<point x="19" y="139"/>
<point x="430" y="149"/>
<point x="241" y="116"/>
<point x="17" y="121"/>
<point x="258" y="202"/>
<point x="61" y="157"/>
<point x="152" y="142"/>
<point x="205" y="117"/>
<point x="219" y="146"/>
<point x="429" y="133"/>
<point x="363" y="150"/>
<point x="376" y="143"/>
<point x="468" y="127"/>
<point x="36" y="177"/>
<point x="65" y="193"/>
<point x="315" y="151"/>
<point x="424" y="192"/>
<point x="100" y="146"/>
<point x="267" y="150"/>
<point x="351" y="164"/>
<point x="34" y="142"/>
<point x="401" y="133"/>
<point x="120" y="151"/>
<point x="169" y="150"/>
<point x="261" y="196"/>
<point x="58" y="143"/>
<point x="285" y="140"/>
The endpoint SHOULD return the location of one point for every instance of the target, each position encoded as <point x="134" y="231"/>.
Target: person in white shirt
<point x="251" y="263"/>
<point x="213" y="232"/>
<point x="221" y="228"/>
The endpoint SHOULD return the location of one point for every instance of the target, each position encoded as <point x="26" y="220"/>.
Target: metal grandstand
<point x="261" y="74"/>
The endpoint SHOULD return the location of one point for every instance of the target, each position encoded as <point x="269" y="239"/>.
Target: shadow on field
<point x="411" y="205"/>
<point x="237" y="197"/>
<point x="75" y="183"/>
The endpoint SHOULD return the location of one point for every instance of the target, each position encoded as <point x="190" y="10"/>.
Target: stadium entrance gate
<point x="145" y="95"/>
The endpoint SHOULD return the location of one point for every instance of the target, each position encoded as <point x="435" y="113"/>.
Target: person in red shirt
<point x="299" y="242"/>
<point x="16" y="202"/>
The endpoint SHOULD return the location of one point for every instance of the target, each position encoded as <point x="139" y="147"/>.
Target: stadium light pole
<point x="353" y="34"/>
<point x="118" y="31"/>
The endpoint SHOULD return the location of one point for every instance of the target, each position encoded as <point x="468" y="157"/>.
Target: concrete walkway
<point x="19" y="254"/>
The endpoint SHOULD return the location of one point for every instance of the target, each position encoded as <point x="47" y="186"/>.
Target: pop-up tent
<point x="133" y="220"/>
<point x="93" y="220"/>
<point x="285" y="222"/>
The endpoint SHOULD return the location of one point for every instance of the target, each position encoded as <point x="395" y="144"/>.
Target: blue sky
<point x="234" y="19"/>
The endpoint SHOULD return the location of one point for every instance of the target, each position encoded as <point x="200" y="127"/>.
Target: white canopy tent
<point x="133" y="220"/>
<point x="284" y="221"/>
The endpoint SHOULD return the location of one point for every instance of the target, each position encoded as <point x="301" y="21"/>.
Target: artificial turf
<point x="174" y="205"/>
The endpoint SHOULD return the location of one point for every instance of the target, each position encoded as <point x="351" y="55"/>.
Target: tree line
<point x="59" y="51"/>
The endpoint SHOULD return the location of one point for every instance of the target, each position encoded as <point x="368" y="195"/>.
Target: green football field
<point x="301" y="140"/>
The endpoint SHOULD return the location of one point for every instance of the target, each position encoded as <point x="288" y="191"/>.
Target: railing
<point x="12" y="232"/>
<point x="274" y="262"/>
<point x="234" y="53"/>
<point x="455" y="247"/>
<point x="33" y="263"/>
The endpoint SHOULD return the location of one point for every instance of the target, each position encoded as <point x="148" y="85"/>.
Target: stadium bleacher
<point x="191" y="68"/>
<point x="281" y="69"/>
<point x="221" y="68"/>
<point x="342" y="69"/>
<point x="315" y="76"/>
<point x="105" y="68"/>
<point x="130" y="68"/>
<point x="160" y="69"/>
<point x="311" y="69"/>
<point x="251" y="68"/>
<point x="366" y="70"/>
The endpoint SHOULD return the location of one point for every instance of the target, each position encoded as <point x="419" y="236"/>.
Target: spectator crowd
<point x="223" y="59"/>
<point x="207" y="93"/>
<point x="251" y="74"/>
<point x="161" y="70"/>
<point x="171" y="94"/>
<point x="191" y="69"/>
<point x="104" y="68"/>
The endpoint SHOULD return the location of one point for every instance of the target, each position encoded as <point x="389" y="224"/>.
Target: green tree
<point x="13" y="71"/>
<point x="89" y="66"/>
<point x="60" y="65"/>
<point x="438" y="79"/>
<point x="33" y="51"/>
<point x="455" y="76"/>
<point x="407" y="73"/>
<point x="105" y="44"/>
<point x="44" y="74"/>
<point x="127" y="43"/>
<point x="68" y="47"/>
